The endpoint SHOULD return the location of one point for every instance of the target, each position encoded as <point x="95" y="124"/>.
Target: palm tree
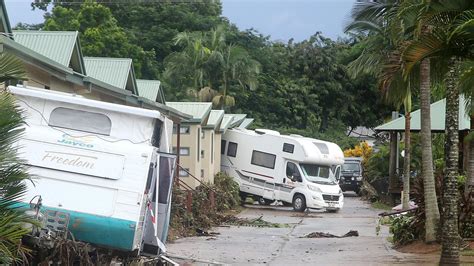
<point x="446" y="43"/>
<point x="12" y="172"/>
<point x="381" y="57"/>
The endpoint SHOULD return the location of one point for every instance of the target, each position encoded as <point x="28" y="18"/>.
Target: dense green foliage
<point x="295" y="87"/>
<point x="13" y="175"/>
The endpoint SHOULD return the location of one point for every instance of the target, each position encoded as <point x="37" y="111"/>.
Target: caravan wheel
<point x="299" y="203"/>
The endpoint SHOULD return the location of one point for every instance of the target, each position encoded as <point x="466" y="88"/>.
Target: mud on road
<point x="243" y="245"/>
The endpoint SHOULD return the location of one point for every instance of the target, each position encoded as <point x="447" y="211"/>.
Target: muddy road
<point x="287" y="246"/>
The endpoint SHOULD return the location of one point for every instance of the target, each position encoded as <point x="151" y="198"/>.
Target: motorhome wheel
<point x="299" y="203"/>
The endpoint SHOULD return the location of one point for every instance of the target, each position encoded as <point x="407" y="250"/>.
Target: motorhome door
<point x="158" y="212"/>
<point x="292" y="178"/>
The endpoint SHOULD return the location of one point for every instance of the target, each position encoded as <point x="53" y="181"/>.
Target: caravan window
<point x="287" y="147"/>
<point x="80" y="120"/>
<point x="223" y="143"/>
<point x="263" y="159"/>
<point x="232" y="150"/>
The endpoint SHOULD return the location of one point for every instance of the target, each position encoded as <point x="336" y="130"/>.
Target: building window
<point x="203" y="134"/>
<point x="183" y="151"/>
<point x="182" y="129"/>
<point x="80" y="120"/>
<point x="223" y="143"/>
<point x="287" y="147"/>
<point x="232" y="150"/>
<point x="263" y="159"/>
<point x="183" y="172"/>
<point x="202" y="173"/>
<point x="202" y="154"/>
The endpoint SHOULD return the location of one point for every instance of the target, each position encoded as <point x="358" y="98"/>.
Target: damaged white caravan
<point x="106" y="166"/>
<point x="296" y="170"/>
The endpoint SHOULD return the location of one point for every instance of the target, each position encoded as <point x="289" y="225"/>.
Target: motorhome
<point x="295" y="170"/>
<point x="106" y="166"/>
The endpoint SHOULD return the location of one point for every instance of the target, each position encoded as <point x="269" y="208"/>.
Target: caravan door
<point x="158" y="206"/>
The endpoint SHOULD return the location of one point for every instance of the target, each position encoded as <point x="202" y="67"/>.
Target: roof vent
<point x="296" y="136"/>
<point x="267" y="131"/>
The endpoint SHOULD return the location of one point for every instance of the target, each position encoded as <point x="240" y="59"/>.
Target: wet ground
<point x="285" y="246"/>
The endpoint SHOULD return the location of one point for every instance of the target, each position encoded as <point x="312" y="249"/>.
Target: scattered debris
<point x="257" y="222"/>
<point x="328" y="235"/>
<point x="200" y="232"/>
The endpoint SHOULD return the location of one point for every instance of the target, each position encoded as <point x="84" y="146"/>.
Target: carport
<point x="396" y="128"/>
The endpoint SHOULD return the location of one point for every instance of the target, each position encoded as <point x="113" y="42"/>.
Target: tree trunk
<point x="406" y="163"/>
<point x="449" y="234"/>
<point x="392" y="168"/>
<point x="470" y="163"/>
<point x="431" y="201"/>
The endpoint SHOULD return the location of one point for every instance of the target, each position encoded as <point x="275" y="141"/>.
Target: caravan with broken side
<point x="105" y="169"/>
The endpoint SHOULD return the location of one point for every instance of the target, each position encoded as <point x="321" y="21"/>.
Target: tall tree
<point x="446" y="44"/>
<point x="101" y="35"/>
<point x="381" y="57"/>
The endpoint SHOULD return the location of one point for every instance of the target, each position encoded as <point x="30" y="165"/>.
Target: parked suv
<point x="351" y="174"/>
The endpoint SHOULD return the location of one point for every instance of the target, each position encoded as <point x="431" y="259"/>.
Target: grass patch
<point x="381" y="206"/>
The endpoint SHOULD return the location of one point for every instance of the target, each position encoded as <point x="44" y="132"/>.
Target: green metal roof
<point x="114" y="71"/>
<point x="198" y="110"/>
<point x="58" y="70"/>
<point x="4" y="21"/>
<point x="225" y="124"/>
<point x="215" y="119"/>
<point x="150" y="89"/>
<point x="246" y="123"/>
<point x="61" y="46"/>
<point x="238" y="119"/>
<point x="438" y="116"/>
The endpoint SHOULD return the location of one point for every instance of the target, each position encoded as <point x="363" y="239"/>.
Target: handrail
<point x="195" y="178"/>
<point x="186" y="186"/>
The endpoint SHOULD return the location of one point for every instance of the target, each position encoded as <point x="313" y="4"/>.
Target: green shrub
<point x="403" y="229"/>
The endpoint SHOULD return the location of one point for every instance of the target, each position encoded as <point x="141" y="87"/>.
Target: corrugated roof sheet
<point x="246" y="123"/>
<point x="148" y="88"/>
<point x="238" y="119"/>
<point x="114" y="71"/>
<point x="438" y="116"/>
<point x="226" y="121"/>
<point x="215" y="118"/>
<point x="56" y="45"/>
<point x="198" y="110"/>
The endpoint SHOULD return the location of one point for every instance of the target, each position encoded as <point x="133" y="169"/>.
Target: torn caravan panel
<point x="104" y="164"/>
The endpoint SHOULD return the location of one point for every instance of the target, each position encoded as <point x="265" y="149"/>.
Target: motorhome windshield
<point x="353" y="167"/>
<point x="317" y="173"/>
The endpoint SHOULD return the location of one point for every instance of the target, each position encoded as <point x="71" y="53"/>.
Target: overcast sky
<point x="281" y="19"/>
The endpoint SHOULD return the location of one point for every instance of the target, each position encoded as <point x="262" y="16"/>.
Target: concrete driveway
<point x="284" y="246"/>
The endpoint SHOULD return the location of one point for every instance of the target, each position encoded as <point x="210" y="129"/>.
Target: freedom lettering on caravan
<point x="63" y="157"/>
<point x="74" y="160"/>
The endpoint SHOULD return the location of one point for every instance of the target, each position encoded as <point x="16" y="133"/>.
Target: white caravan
<point x="102" y="164"/>
<point x="293" y="169"/>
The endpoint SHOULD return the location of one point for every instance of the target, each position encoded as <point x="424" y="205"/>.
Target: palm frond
<point x="11" y="68"/>
<point x="425" y="46"/>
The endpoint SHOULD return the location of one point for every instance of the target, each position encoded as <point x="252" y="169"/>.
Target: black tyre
<point x="263" y="201"/>
<point x="299" y="203"/>
<point x="243" y="198"/>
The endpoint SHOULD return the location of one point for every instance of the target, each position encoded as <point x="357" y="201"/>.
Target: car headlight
<point x="314" y="188"/>
<point x="359" y="178"/>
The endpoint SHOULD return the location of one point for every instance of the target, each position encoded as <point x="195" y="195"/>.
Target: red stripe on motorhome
<point x="257" y="174"/>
